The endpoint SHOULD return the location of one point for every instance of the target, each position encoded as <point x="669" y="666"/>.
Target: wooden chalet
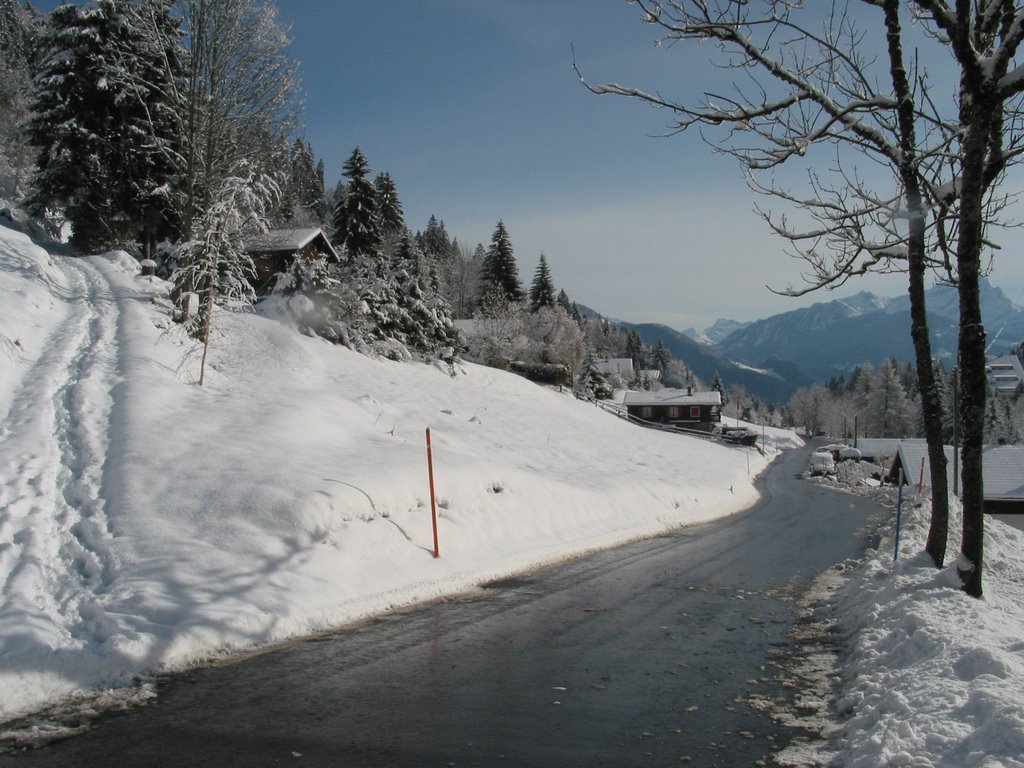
<point x="275" y="251"/>
<point x="677" y="407"/>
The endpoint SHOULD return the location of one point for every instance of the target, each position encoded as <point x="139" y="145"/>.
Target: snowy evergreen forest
<point x="171" y="129"/>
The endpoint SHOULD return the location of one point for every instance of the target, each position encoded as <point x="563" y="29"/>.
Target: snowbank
<point x="901" y="666"/>
<point x="932" y="677"/>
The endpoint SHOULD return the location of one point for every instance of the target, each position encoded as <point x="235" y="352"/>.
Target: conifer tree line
<point x="138" y="122"/>
<point x="169" y="128"/>
<point x="134" y="112"/>
<point x="887" y="403"/>
<point x="18" y="33"/>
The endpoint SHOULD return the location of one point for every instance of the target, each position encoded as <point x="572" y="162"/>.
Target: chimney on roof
<point x="689" y="389"/>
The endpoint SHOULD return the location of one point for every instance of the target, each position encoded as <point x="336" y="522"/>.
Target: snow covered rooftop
<point x="912" y="453"/>
<point x="1002" y="468"/>
<point x="879" y="448"/>
<point x="1003" y="471"/>
<point x="277" y="240"/>
<point x="672" y="397"/>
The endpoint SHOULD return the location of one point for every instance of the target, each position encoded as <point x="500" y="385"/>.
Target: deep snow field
<point x="147" y="523"/>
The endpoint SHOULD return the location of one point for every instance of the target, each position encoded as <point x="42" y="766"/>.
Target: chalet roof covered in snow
<point x="673" y="397"/>
<point x="881" y="448"/>
<point x="288" y="241"/>
<point x="1003" y="471"/>
<point x="1002" y="468"/>
<point x="911" y="454"/>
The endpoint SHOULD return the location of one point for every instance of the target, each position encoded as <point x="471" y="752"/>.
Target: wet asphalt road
<point x="658" y="653"/>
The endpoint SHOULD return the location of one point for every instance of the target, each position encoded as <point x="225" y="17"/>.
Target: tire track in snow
<point x="56" y="560"/>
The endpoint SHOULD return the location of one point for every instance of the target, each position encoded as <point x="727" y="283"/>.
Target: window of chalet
<point x="694" y="411"/>
<point x="674" y="412"/>
<point x="646" y="412"/>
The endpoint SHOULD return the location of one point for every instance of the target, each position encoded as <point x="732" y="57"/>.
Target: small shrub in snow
<point x="543" y="373"/>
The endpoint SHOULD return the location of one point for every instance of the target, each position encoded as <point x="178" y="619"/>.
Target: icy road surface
<point x="673" y="648"/>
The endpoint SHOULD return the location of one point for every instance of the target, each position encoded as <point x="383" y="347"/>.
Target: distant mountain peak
<point x="715" y="332"/>
<point x="699" y="336"/>
<point x="863" y="302"/>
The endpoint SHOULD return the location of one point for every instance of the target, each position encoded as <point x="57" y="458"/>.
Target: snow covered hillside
<point x="147" y="522"/>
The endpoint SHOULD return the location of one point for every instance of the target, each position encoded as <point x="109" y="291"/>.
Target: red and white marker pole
<point x="433" y="502"/>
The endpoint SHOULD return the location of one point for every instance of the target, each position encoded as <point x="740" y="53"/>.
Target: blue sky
<point x="473" y="107"/>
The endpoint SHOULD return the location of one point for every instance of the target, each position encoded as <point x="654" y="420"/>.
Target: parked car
<point x="840" y="452"/>
<point x="822" y="463"/>
<point x="741" y="435"/>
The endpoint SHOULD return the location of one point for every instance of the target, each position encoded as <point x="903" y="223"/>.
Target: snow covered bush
<point x="500" y="337"/>
<point x="215" y="265"/>
<point x="592" y="382"/>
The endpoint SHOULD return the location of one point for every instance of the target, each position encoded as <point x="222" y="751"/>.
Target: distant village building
<point x="678" y="407"/>
<point x="648" y="376"/>
<point x="274" y="252"/>
<point x="1005" y="374"/>
<point x="620" y="366"/>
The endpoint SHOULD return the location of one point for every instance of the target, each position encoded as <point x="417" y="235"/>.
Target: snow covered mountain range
<point x="714" y="333"/>
<point x="831" y="338"/>
<point x="771" y="379"/>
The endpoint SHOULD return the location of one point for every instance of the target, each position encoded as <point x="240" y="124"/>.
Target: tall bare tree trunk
<point x="931" y="406"/>
<point x="978" y="115"/>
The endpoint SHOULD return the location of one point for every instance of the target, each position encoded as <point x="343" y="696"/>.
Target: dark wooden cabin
<point x="275" y="251"/>
<point x="677" y="407"/>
